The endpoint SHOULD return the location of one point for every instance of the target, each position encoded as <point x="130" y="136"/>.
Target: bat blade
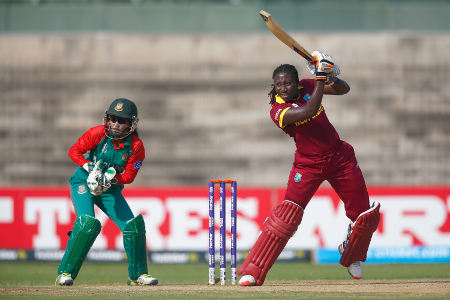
<point x="283" y="36"/>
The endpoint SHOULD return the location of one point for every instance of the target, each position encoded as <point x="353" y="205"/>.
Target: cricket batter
<point x="320" y="155"/>
<point x="115" y="156"/>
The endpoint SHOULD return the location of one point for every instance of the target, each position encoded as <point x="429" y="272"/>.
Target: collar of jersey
<point x="280" y="100"/>
<point x="122" y="143"/>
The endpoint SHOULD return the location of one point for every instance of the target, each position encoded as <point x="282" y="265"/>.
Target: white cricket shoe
<point x="144" y="279"/>
<point x="64" y="279"/>
<point x="247" y="280"/>
<point x="354" y="269"/>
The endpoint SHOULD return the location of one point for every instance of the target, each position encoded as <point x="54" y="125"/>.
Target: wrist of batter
<point x="321" y="76"/>
<point x="333" y="81"/>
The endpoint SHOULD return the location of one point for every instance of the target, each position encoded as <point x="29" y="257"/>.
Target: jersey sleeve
<point x="85" y="143"/>
<point x="277" y="113"/>
<point x="134" y="162"/>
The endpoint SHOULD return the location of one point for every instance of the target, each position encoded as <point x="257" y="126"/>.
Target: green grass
<point x="285" y="280"/>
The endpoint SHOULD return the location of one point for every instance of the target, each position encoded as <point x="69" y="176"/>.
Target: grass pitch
<point x="286" y="280"/>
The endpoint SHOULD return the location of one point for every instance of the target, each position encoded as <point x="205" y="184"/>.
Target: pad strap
<point x="278" y="229"/>
<point x="360" y="235"/>
<point x="85" y="231"/>
<point x="134" y="242"/>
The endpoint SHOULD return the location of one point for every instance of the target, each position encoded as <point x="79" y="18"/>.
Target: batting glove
<point x="333" y="75"/>
<point x="323" y="65"/>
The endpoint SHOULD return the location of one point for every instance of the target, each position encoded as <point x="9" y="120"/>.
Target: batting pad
<point x="357" y="244"/>
<point x="134" y="242"/>
<point x="84" y="232"/>
<point x="279" y="228"/>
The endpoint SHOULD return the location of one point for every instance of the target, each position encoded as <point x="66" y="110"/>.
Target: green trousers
<point x="86" y="229"/>
<point x="112" y="203"/>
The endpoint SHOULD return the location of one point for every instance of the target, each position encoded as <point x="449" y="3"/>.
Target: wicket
<point x="222" y="223"/>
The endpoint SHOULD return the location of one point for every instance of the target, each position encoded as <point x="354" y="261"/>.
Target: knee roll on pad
<point x="358" y="241"/>
<point x="85" y="231"/>
<point x="134" y="242"/>
<point x="278" y="229"/>
<point x="284" y="220"/>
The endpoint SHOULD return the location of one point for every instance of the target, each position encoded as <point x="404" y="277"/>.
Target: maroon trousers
<point x="340" y="168"/>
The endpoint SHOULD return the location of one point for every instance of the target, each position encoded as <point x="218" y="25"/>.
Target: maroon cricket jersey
<point x="313" y="136"/>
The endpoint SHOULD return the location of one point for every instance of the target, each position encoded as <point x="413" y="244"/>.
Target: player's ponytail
<point x="272" y="94"/>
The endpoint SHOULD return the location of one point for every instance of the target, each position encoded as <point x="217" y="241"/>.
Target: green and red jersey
<point x="125" y="156"/>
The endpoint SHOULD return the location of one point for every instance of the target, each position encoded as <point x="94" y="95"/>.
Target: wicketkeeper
<point x="115" y="156"/>
<point x="320" y="155"/>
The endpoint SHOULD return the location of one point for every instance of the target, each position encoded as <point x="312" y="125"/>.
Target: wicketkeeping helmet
<point x="122" y="108"/>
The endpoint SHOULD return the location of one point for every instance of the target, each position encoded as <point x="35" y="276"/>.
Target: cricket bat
<point x="283" y="36"/>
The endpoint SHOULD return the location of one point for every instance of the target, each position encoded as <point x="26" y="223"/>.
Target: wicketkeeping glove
<point x="89" y="166"/>
<point x="323" y="66"/>
<point x="93" y="180"/>
<point x="100" y="182"/>
<point x="106" y="178"/>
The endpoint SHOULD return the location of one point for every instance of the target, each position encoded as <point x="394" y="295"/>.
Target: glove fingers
<point x="336" y="71"/>
<point x="311" y="66"/>
<point x="324" y="64"/>
<point x="99" y="181"/>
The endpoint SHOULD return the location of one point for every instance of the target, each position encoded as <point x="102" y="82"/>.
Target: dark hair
<point x="284" y="68"/>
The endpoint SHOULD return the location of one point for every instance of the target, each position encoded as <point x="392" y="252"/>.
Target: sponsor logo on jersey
<point x="82" y="189"/>
<point x="137" y="165"/>
<point x="119" y="106"/>
<point x="307" y="97"/>
<point x="277" y="115"/>
<point x="298" y="177"/>
<point x="309" y="119"/>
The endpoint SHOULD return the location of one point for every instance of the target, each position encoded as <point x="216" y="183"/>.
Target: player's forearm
<point x="298" y="114"/>
<point x="337" y="87"/>
<point x="85" y="143"/>
<point x="125" y="178"/>
<point x="77" y="156"/>
<point x="316" y="100"/>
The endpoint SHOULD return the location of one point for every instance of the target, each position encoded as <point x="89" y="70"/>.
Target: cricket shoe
<point x="64" y="279"/>
<point x="247" y="280"/>
<point x="354" y="269"/>
<point x="144" y="279"/>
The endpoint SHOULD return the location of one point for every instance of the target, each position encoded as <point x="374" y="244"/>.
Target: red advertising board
<point x="177" y="217"/>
